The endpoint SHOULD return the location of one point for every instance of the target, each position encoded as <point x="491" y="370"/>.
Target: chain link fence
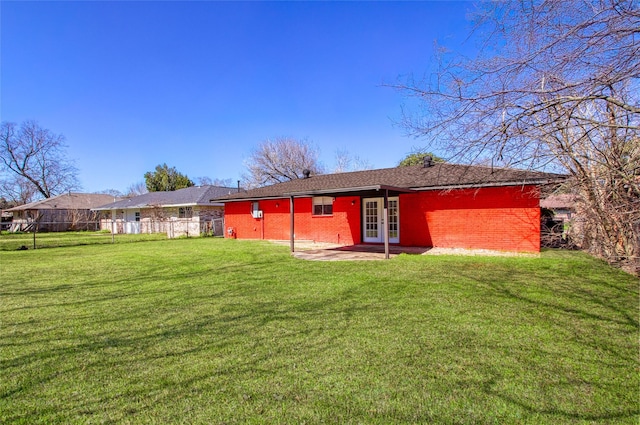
<point x="43" y="234"/>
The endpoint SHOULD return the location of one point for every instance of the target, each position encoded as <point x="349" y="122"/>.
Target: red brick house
<point x="435" y="205"/>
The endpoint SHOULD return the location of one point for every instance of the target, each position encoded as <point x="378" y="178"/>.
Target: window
<point x="322" y="205"/>
<point x="137" y="215"/>
<point x="185" y="212"/>
<point x="255" y="210"/>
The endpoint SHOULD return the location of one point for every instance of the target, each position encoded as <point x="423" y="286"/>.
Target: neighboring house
<point x="5" y="220"/>
<point x="434" y="205"/>
<point x="561" y="206"/>
<point x="184" y="212"/>
<point x="69" y="211"/>
<point x="561" y="225"/>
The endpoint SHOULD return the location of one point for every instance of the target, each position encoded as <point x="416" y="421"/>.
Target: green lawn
<point x="220" y="331"/>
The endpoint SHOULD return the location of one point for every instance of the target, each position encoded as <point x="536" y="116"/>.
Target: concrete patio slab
<point x="317" y="251"/>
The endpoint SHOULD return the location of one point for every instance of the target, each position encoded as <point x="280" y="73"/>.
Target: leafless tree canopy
<point x="33" y="162"/>
<point x="555" y="85"/>
<point x="279" y="160"/>
<point x="208" y="181"/>
<point x="135" y="189"/>
<point x="345" y="162"/>
<point x="17" y="189"/>
<point x="113" y="192"/>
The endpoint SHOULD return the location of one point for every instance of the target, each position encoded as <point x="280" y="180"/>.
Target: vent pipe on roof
<point x="306" y="173"/>
<point x="428" y="161"/>
<point x="238" y="186"/>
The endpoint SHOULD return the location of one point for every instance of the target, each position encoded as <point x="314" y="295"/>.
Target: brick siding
<point x="501" y="218"/>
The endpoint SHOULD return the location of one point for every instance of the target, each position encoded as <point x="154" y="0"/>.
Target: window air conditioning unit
<point x="258" y="214"/>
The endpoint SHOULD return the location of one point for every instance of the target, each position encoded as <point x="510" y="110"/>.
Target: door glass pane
<point x="393" y="219"/>
<point x="371" y="219"/>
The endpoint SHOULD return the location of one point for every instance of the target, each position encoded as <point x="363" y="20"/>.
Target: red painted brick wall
<point x="501" y="218"/>
<point x="342" y="227"/>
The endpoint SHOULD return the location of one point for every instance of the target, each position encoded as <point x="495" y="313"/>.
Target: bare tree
<point x="279" y="160"/>
<point x="17" y="189"/>
<point x="208" y="181"/>
<point x="113" y="192"/>
<point x="37" y="157"/>
<point x="554" y="86"/>
<point x="347" y="162"/>
<point x="135" y="189"/>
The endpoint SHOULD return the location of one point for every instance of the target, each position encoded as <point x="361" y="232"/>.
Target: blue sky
<point x="198" y="85"/>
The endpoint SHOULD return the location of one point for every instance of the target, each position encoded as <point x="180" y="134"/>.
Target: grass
<point x="14" y="241"/>
<point x="226" y="331"/>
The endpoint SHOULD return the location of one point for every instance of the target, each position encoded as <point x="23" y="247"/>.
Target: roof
<point x="559" y="201"/>
<point x="399" y="179"/>
<point x="190" y="196"/>
<point x="67" y="201"/>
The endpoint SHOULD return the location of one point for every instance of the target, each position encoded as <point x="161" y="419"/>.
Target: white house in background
<point x="61" y="213"/>
<point x="192" y="211"/>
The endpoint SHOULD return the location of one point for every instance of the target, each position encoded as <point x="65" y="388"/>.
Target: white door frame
<point x="373" y="209"/>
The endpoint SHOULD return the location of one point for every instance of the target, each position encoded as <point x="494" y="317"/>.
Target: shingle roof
<point x="190" y="196"/>
<point x="559" y="201"/>
<point x="68" y="201"/>
<point x="437" y="176"/>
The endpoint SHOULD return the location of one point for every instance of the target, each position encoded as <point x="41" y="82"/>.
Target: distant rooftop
<point x="68" y="201"/>
<point x="190" y="196"/>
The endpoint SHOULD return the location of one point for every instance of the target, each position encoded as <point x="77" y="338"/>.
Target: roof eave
<point x="309" y="193"/>
<point x="252" y="198"/>
<point x="140" y="206"/>
<point x="192" y="204"/>
<point x="490" y="184"/>
<point x="376" y="187"/>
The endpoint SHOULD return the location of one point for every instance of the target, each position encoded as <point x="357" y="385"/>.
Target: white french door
<point x="373" y="219"/>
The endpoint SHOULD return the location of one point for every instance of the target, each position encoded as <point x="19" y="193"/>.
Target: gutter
<point x="309" y="193"/>
<point x="140" y="206"/>
<point x="496" y="184"/>
<point x="259" y="198"/>
<point x="377" y="187"/>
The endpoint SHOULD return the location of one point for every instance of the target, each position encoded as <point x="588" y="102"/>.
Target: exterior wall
<point x="166" y="220"/>
<point x="501" y="218"/>
<point x="342" y="227"/>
